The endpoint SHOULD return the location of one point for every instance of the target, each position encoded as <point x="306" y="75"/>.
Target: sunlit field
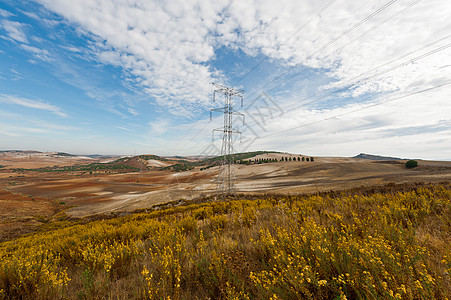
<point x="357" y="244"/>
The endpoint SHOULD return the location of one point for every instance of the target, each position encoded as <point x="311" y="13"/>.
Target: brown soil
<point x="21" y="213"/>
<point x="41" y="160"/>
<point x="29" y="196"/>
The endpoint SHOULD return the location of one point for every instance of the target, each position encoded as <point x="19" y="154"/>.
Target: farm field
<point x="103" y="188"/>
<point x="390" y="242"/>
<point x="151" y="227"/>
<point x="54" y="187"/>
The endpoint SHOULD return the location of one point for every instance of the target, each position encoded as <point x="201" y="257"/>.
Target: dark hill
<point x="375" y="157"/>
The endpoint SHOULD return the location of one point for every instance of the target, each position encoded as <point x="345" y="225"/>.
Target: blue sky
<point x="329" y="78"/>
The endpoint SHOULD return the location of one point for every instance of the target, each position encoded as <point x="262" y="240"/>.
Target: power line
<point x="364" y="20"/>
<point x="350" y="85"/>
<point x="335" y="39"/>
<point x="325" y="94"/>
<point x="299" y="29"/>
<point x="386" y="5"/>
<point x="303" y="26"/>
<point x="413" y="3"/>
<point x="356" y="110"/>
<point x="198" y="119"/>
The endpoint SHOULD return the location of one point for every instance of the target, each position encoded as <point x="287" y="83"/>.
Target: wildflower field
<point x="347" y="245"/>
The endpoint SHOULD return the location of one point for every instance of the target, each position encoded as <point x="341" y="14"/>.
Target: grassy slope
<point x="211" y="162"/>
<point x="356" y="245"/>
<point x="129" y="164"/>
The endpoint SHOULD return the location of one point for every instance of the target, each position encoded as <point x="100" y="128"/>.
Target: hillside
<point x="375" y="157"/>
<point x="365" y="244"/>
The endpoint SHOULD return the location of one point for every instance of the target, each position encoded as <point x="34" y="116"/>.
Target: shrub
<point x="411" y="164"/>
<point x="323" y="246"/>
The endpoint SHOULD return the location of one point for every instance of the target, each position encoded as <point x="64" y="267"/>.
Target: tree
<point x="411" y="164"/>
<point x="303" y="158"/>
<point x="290" y="158"/>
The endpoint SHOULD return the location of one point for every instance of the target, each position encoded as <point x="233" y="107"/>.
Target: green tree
<point x="411" y="164"/>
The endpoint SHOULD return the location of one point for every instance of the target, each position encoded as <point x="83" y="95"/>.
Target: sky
<point x="319" y="77"/>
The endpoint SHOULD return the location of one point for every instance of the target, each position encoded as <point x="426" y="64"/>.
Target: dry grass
<point x="389" y="243"/>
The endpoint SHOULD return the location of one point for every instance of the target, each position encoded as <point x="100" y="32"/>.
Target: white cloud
<point x="14" y="30"/>
<point x="124" y="128"/>
<point x="133" y="111"/>
<point x="33" y="104"/>
<point x="42" y="54"/>
<point x="171" y="60"/>
<point x="53" y="126"/>
<point x="168" y="47"/>
<point x="399" y="127"/>
<point x="5" y="13"/>
<point x="158" y="127"/>
<point x="72" y="49"/>
<point x="45" y="21"/>
<point x="17" y="131"/>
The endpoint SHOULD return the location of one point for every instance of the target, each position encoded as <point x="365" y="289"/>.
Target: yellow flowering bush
<point x="347" y="245"/>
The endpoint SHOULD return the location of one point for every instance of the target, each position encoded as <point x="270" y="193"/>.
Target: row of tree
<point x="271" y="160"/>
<point x="298" y="158"/>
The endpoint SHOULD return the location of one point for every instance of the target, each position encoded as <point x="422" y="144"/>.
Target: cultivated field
<point x="82" y="191"/>
<point x="151" y="227"/>
<point x="379" y="244"/>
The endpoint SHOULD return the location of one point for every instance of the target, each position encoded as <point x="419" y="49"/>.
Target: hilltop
<point x="375" y="157"/>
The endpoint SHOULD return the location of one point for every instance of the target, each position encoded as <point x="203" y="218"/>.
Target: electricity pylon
<point x="226" y="175"/>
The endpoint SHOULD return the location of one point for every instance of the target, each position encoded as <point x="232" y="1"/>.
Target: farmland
<point x="391" y="243"/>
<point x="134" y="227"/>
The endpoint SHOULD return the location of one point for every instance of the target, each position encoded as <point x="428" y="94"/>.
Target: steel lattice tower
<point x="226" y="176"/>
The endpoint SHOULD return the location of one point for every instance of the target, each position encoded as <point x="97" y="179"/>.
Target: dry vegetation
<point x="390" y="243"/>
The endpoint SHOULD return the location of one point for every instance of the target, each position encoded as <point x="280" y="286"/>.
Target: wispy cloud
<point x="172" y="62"/>
<point x="41" y="54"/>
<point x="32" y="104"/>
<point x="53" y="126"/>
<point x="16" y="131"/>
<point x="398" y="127"/>
<point x="172" y="66"/>
<point x="133" y="111"/>
<point x="124" y="128"/>
<point x="158" y="127"/>
<point x="14" y="30"/>
<point x="5" y="13"/>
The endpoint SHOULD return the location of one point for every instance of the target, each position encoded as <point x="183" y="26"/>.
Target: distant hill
<point x="100" y="156"/>
<point x="20" y="151"/>
<point x="375" y="157"/>
<point x="64" y="154"/>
